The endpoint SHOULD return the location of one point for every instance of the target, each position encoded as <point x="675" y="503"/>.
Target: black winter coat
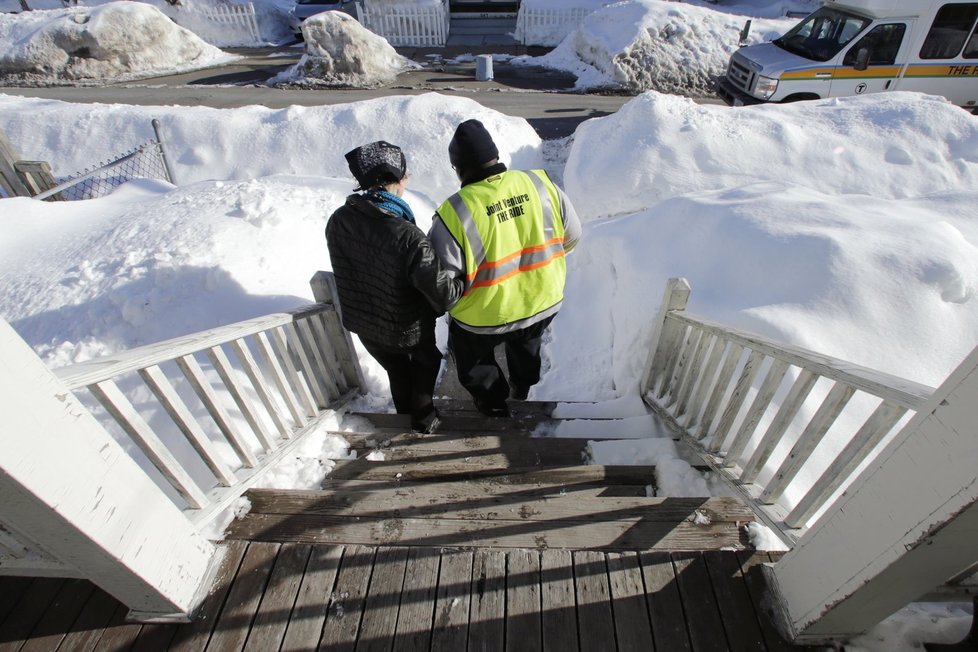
<point x="390" y="283"/>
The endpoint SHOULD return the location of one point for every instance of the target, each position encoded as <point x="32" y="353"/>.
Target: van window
<point x="883" y="42"/>
<point x="951" y="28"/>
<point x="823" y="34"/>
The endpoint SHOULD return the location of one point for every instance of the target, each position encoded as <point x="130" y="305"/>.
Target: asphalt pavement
<point x="544" y="97"/>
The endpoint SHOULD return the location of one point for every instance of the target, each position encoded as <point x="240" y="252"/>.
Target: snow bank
<point x="653" y="44"/>
<point x="339" y="51"/>
<point x="118" y="40"/>
<point x="660" y="146"/>
<point x="254" y="142"/>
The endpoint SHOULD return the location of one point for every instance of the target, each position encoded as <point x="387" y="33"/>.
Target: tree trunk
<point x="23" y="5"/>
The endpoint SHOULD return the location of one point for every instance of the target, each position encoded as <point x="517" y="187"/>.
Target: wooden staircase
<point x="483" y="482"/>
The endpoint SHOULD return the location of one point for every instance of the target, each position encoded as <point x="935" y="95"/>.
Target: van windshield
<point x="823" y="34"/>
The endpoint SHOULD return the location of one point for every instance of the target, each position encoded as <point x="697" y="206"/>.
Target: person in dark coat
<point x="391" y="285"/>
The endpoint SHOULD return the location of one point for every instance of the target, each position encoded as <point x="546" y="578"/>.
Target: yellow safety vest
<point x="511" y="232"/>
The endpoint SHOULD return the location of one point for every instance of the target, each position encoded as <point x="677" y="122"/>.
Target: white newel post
<point x="905" y="526"/>
<point x="69" y="489"/>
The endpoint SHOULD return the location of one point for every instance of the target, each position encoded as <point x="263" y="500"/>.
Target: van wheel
<point x="800" y="97"/>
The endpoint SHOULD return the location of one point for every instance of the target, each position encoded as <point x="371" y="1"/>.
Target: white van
<point x="851" y="47"/>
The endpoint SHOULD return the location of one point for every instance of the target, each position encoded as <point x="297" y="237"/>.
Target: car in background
<point x="303" y="9"/>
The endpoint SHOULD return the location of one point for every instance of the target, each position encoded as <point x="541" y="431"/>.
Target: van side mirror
<point x="744" y="33"/>
<point x="862" y="59"/>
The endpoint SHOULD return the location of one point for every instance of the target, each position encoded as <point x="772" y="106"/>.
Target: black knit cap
<point x="376" y="164"/>
<point x="471" y="146"/>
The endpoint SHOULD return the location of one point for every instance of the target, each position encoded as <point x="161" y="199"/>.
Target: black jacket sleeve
<point x="439" y="286"/>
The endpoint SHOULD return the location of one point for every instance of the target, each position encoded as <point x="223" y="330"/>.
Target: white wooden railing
<point x="700" y="376"/>
<point x="547" y="27"/>
<point x="257" y="385"/>
<point x="407" y="25"/>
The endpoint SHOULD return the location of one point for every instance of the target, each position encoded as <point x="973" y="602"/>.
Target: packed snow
<point x="339" y="51"/>
<point x="121" y="40"/>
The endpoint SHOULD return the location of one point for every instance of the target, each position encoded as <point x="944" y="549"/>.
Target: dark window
<point x="951" y="28"/>
<point x="883" y="43"/>
<point x="822" y="35"/>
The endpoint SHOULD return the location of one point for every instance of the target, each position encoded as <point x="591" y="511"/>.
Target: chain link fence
<point x="146" y="161"/>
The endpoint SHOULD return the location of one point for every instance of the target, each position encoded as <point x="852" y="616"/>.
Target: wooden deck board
<point x="559" y="617"/>
<point x="702" y="614"/>
<point x="347" y="601"/>
<point x="384" y="597"/>
<point x="278" y="598"/>
<point x="417" y="601"/>
<point x="487" y="608"/>
<point x="305" y="626"/>
<point x="523" y="627"/>
<point x="663" y="602"/>
<point x="451" y="625"/>
<point x="234" y="622"/>
<point x="632" y="626"/>
<point x="453" y="472"/>
<point x="624" y="534"/>
<point x="596" y="625"/>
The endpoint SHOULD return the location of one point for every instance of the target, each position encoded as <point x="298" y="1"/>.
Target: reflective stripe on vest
<point x="521" y="272"/>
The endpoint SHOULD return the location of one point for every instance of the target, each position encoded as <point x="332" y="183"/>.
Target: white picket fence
<point x="407" y="25"/>
<point x="547" y="27"/>
<point x="700" y="376"/>
<point x="220" y="25"/>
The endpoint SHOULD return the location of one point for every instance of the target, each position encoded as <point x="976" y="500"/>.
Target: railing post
<point x="163" y="155"/>
<point x="664" y="335"/>
<point x="324" y="291"/>
<point x="70" y="490"/>
<point x="906" y="525"/>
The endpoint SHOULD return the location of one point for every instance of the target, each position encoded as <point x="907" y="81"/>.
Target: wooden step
<point x="474" y="470"/>
<point x="578" y="523"/>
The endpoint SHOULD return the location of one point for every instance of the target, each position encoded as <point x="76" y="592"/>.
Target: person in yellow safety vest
<point x="505" y="234"/>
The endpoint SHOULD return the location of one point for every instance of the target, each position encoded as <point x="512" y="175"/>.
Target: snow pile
<point x="118" y="40"/>
<point x="654" y="45"/>
<point x="254" y="142"/>
<point x="342" y="52"/>
<point x="659" y="146"/>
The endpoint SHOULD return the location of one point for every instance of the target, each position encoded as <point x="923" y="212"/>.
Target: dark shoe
<point x="491" y="409"/>
<point x="427" y="425"/>
<point x="519" y="393"/>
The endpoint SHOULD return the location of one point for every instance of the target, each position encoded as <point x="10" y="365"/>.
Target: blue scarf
<point x="391" y="203"/>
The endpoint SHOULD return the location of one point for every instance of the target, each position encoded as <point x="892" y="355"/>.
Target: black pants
<point x="478" y="370"/>
<point x="412" y="373"/>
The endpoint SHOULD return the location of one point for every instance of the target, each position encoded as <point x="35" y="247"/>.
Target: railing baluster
<point x="329" y="353"/>
<point x="281" y="383"/>
<point x="195" y="376"/>
<point x="706" y="384"/>
<point x="680" y="338"/>
<point x="775" y="374"/>
<point x="826" y="415"/>
<point x="882" y="421"/>
<point x="734" y="351"/>
<point x="316" y="349"/>
<point x="697" y="378"/>
<point x="686" y="374"/>
<point x="312" y="380"/>
<point x="296" y="380"/>
<point x="116" y="403"/>
<point x="737" y="398"/>
<point x="187" y="423"/>
<point x="224" y="369"/>
<point x="250" y="367"/>
<point x="789" y="408"/>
